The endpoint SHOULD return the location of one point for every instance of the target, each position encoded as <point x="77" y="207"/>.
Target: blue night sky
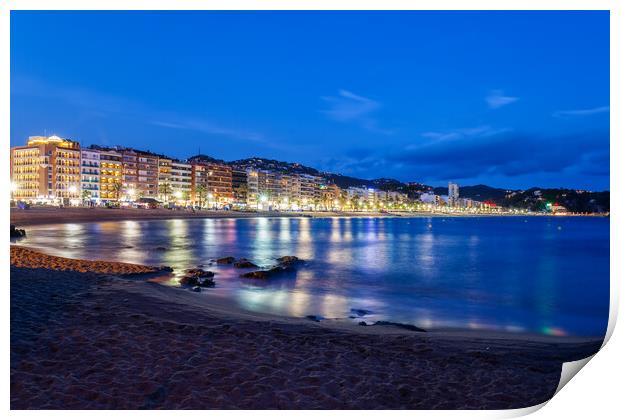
<point x="508" y="99"/>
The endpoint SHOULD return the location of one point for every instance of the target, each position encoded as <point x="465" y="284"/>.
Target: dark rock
<point x="206" y="282"/>
<point x="196" y="289"/>
<point x="362" y="323"/>
<point x="161" y="248"/>
<point x="409" y="327"/>
<point x="225" y="260"/>
<point x="315" y="318"/>
<point x="17" y="233"/>
<point x="199" y="272"/>
<point x="265" y="274"/>
<point x="189" y="280"/>
<point x="289" y="260"/>
<point x="166" y="268"/>
<point x="261" y="275"/>
<point x="243" y="263"/>
<point x="361" y="312"/>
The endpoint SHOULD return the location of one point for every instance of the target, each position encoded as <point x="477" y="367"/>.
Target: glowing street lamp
<point x="72" y="189"/>
<point x="178" y="194"/>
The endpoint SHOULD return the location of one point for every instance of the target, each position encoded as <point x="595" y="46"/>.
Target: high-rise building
<point x="240" y="187"/>
<point x="148" y="174"/>
<point x="91" y="175"/>
<point x="181" y="180"/>
<point x="218" y="181"/>
<point x="453" y="193"/>
<point x="164" y="187"/>
<point x="130" y="174"/>
<point x="110" y="174"/>
<point x="46" y="169"/>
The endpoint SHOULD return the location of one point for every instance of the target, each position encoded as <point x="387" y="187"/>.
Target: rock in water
<point x="199" y="272"/>
<point x="261" y="275"/>
<point x="289" y="260"/>
<point x="225" y="260"/>
<point x="196" y="289"/>
<point x="315" y="318"/>
<point x="243" y="263"/>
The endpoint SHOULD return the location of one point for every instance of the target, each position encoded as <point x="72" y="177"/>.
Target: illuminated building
<point x="240" y="188"/>
<point x="148" y="174"/>
<point x="453" y="194"/>
<point x="110" y="174"/>
<point x="218" y="178"/>
<point x="90" y="175"/>
<point x="164" y="187"/>
<point x="47" y="169"/>
<point x="181" y="180"/>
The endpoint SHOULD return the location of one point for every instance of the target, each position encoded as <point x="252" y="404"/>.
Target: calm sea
<point x="546" y="275"/>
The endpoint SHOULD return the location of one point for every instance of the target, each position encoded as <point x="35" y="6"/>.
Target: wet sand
<point x="97" y="341"/>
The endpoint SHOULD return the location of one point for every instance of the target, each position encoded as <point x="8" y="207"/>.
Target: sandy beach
<point x="103" y="341"/>
<point x="50" y="215"/>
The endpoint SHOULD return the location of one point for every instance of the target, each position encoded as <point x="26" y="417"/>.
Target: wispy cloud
<point x="102" y="105"/>
<point x="208" y="127"/>
<point x="350" y="107"/>
<point x="496" y="99"/>
<point x="461" y="133"/>
<point x="581" y="112"/>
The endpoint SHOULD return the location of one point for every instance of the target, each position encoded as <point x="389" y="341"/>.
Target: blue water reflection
<point x="538" y="274"/>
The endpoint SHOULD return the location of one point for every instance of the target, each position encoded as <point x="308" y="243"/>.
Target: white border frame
<point x="597" y="387"/>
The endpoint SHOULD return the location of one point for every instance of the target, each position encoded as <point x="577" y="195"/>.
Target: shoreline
<point x="82" y="340"/>
<point x="54" y="215"/>
<point x="146" y="280"/>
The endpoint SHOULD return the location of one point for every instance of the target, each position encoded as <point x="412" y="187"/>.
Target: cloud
<point x="482" y="153"/>
<point x="496" y="99"/>
<point x="581" y="112"/>
<point x="208" y="127"/>
<point x="459" y="133"/>
<point x="350" y="107"/>
<point x="102" y="105"/>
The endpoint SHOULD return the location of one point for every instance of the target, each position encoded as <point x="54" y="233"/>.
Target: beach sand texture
<point x="28" y="258"/>
<point x="89" y="341"/>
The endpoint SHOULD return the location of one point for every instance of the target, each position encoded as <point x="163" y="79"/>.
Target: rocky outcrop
<point x="225" y="260"/>
<point x="197" y="277"/>
<point x="243" y="263"/>
<point x="285" y="265"/>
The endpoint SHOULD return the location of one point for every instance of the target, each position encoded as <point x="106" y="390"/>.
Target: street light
<point x="178" y="194"/>
<point x="72" y="189"/>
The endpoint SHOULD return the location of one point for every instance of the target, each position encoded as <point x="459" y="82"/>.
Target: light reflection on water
<point x="476" y="273"/>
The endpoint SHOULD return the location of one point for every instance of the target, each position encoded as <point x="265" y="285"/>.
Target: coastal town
<point x="54" y="171"/>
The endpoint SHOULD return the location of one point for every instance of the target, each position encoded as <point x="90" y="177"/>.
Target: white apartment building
<point x="90" y="174"/>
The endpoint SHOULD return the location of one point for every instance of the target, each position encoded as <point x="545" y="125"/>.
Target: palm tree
<point x="201" y="192"/>
<point x="117" y="188"/>
<point x="86" y="194"/>
<point x="165" y="190"/>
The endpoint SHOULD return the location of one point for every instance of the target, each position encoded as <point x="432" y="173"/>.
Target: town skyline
<point x="408" y="101"/>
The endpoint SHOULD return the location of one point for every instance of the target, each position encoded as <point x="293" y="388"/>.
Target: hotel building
<point x="181" y="180"/>
<point x="164" y="187"/>
<point x="215" y="178"/>
<point x="46" y="169"/>
<point x="110" y="174"/>
<point x="91" y="173"/>
<point x="148" y="174"/>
